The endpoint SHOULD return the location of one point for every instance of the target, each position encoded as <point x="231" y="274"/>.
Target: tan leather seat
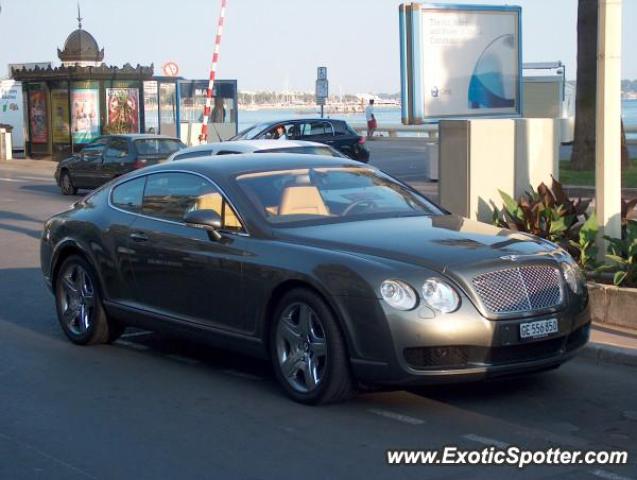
<point x="214" y="201"/>
<point x="300" y="200"/>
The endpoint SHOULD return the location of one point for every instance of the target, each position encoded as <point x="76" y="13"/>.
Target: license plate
<point x="539" y="329"/>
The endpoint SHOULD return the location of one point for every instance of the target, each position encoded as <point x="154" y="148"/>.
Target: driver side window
<point x="170" y="196"/>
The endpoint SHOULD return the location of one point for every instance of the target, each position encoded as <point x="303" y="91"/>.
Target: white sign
<point x="465" y="61"/>
<point x="11" y="112"/>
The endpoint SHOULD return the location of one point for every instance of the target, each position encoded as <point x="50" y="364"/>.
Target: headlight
<point x="398" y="294"/>
<point x="573" y="276"/>
<point x="440" y="296"/>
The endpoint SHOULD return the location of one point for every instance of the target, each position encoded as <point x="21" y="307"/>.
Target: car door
<point x="126" y="202"/>
<point x="181" y="271"/>
<point x="118" y="159"/>
<point x="86" y="171"/>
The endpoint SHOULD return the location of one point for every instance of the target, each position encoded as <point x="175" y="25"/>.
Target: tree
<point x="625" y="152"/>
<point x="583" y="153"/>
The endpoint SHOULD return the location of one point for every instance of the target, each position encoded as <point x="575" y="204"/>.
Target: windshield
<point x="158" y="146"/>
<point x="250" y="132"/>
<point x="330" y="194"/>
<point x="313" y="150"/>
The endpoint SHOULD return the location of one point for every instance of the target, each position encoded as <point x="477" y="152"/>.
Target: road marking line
<point x="48" y="456"/>
<point x="609" y="475"/>
<point x="485" y="440"/>
<point x="396" y="416"/>
<point x="13" y="180"/>
<point x="135" y="334"/>
<point x="180" y="359"/>
<point x="134" y="346"/>
<point x="248" y="376"/>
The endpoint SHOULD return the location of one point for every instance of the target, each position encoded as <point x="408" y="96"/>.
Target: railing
<point x="429" y="132"/>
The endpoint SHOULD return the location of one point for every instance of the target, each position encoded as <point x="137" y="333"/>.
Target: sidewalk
<point x="17" y="163"/>
<point x="617" y="346"/>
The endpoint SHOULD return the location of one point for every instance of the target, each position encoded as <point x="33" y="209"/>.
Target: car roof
<point x="247" y="146"/>
<point x="139" y="136"/>
<point x="230" y="165"/>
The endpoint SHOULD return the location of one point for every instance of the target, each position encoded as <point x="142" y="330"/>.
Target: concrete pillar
<point x="476" y="161"/>
<point x="536" y="153"/>
<point x="608" y="127"/>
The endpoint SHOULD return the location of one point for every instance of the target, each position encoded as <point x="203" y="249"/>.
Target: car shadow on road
<point x="50" y="191"/>
<point x="24" y="231"/>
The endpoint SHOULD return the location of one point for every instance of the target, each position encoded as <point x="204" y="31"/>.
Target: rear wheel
<point x="66" y="184"/>
<point x="308" y="351"/>
<point x="79" y="305"/>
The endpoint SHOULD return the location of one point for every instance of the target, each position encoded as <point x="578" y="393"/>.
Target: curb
<point x="602" y="353"/>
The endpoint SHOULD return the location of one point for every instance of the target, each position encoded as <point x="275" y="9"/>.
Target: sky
<point x="275" y="44"/>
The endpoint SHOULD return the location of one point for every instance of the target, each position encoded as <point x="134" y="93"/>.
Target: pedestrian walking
<point x="372" y="125"/>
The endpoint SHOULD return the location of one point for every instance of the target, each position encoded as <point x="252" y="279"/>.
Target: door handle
<point x="138" y="237"/>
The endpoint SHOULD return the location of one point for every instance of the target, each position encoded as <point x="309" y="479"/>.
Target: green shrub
<point x="622" y="254"/>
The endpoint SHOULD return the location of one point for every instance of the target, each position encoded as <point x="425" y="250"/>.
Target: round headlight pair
<point x="436" y="293"/>
<point x="573" y="277"/>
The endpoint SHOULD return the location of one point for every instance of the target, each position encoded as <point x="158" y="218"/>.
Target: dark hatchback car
<point x="334" y="271"/>
<point x="336" y="133"/>
<point x="110" y="156"/>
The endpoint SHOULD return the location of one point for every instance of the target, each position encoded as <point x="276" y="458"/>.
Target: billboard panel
<point x="85" y="116"/>
<point x="11" y="110"/>
<point x="123" y="110"/>
<point x="60" y="115"/>
<point x="460" y="61"/>
<point x="38" y="117"/>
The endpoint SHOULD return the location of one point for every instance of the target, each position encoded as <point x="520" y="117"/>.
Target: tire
<point x="66" y="184"/>
<point x="79" y="305"/>
<point x="308" y="351"/>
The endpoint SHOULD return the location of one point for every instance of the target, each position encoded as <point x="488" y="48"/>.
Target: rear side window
<point x="158" y="146"/>
<point x="316" y="128"/>
<point x="343" y="129"/>
<point x="117" y="150"/>
<point x="129" y="195"/>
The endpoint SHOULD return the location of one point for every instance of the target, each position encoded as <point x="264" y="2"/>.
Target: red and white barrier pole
<point x="203" y="138"/>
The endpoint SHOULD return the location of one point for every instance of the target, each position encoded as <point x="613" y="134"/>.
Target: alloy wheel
<point x="301" y="347"/>
<point x="77" y="299"/>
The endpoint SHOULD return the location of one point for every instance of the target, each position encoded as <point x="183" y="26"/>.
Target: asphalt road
<point x="152" y="407"/>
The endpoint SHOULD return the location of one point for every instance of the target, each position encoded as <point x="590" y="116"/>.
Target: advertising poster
<point x="11" y="110"/>
<point x="85" y="114"/>
<point x="60" y="116"/>
<point x="460" y="61"/>
<point x="38" y="116"/>
<point x="123" y="110"/>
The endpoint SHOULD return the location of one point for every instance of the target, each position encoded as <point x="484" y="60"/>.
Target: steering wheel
<point x="358" y="203"/>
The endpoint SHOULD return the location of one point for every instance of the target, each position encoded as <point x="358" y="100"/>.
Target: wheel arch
<point x="66" y="249"/>
<point x="287" y="285"/>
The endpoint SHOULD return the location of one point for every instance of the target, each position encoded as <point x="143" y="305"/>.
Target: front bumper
<point x="444" y="350"/>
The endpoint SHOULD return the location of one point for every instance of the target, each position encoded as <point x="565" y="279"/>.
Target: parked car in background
<point x="335" y="133"/>
<point x="333" y="270"/>
<point x="255" y="146"/>
<point x="110" y="156"/>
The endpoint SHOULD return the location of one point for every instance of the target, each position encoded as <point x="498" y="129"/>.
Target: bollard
<point x="3" y="155"/>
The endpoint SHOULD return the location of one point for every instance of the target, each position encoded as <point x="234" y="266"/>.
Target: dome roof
<point x="80" y="46"/>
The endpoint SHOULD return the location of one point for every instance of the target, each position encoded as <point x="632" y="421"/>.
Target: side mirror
<point x="206" y="219"/>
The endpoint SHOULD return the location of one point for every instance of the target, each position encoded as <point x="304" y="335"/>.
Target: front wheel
<point x="308" y="351"/>
<point x="66" y="184"/>
<point x="79" y="305"/>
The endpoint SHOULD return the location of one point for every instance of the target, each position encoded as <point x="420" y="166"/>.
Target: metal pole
<point x="322" y="110"/>
<point x="608" y="125"/>
<point x="213" y="69"/>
